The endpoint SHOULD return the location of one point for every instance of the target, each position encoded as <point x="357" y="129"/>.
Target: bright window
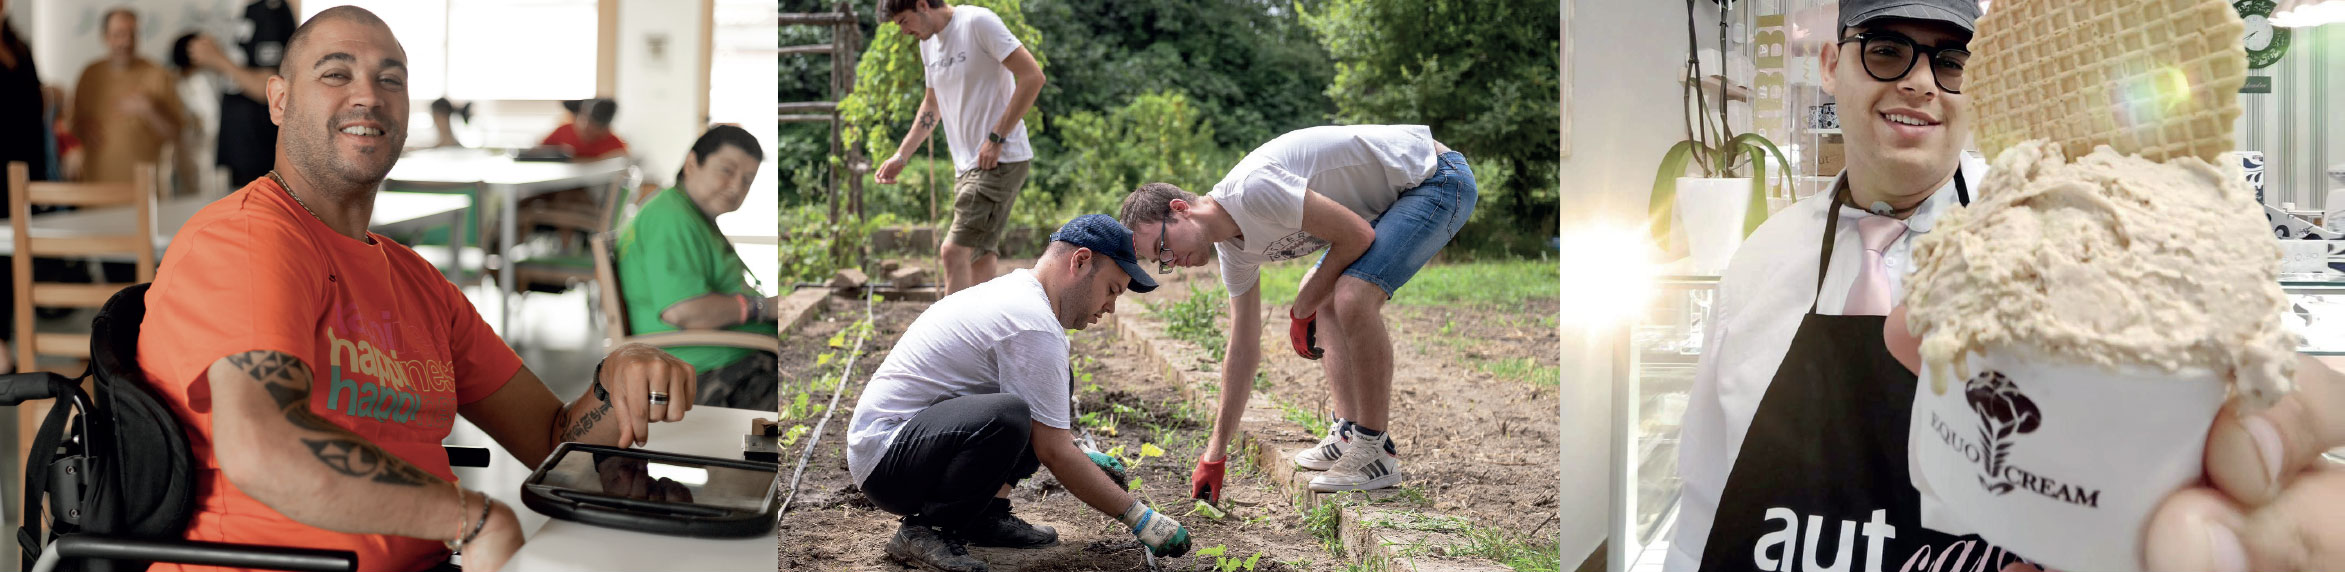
<point x="490" y="49"/>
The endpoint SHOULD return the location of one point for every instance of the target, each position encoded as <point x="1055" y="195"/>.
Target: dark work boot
<point x="926" y="547"/>
<point x="996" y="527"/>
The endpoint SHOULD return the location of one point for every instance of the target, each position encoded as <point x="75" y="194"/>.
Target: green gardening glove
<point x="1112" y="466"/>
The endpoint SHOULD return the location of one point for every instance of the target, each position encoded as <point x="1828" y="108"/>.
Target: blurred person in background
<point x="245" y="134"/>
<point x="588" y="135"/>
<point x="125" y="107"/>
<point x="444" y="116"/>
<point x="199" y="91"/>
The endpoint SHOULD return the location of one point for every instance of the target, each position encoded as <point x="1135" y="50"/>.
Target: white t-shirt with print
<point x="972" y="86"/>
<point x="1362" y="167"/>
<point x="997" y="337"/>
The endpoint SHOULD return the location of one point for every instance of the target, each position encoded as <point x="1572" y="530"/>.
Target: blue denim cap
<point x="1106" y="237"/>
<point x="1961" y="13"/>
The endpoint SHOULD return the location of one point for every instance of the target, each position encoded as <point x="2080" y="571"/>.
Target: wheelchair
<point x="116" y="473"/>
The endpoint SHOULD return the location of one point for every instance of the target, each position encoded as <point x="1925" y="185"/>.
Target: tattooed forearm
<point x="288" y="380"/>
<point x="585" y="423"/>
<point x="301" y="417"/>
<point x="356" y="458"/>
<point x="927" y="119"/>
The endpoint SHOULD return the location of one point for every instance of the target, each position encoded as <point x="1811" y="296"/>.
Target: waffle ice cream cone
<point x="2157" y="78"/>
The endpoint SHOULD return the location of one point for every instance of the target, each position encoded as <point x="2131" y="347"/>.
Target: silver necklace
<point x="313" y="213"/>
<point x="273" y="176"/>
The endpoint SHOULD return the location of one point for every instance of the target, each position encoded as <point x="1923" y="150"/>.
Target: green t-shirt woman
<point x="676" y="269"/>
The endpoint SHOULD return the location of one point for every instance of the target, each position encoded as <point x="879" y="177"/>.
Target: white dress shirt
<point x="1761" y="300"/>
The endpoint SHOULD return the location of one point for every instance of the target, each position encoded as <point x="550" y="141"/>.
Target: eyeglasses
<point x="1163" y="253"/>
<point x="1888" y="57"/>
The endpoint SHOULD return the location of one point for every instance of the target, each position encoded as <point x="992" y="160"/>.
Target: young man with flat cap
<point x="977" y="395"/>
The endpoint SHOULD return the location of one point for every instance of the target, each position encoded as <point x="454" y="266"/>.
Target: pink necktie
<point x="1870" y="295"/>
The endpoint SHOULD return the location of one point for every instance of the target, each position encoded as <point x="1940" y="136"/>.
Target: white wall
<point x="1624" y="113"/>
<point x="660" y="93"/>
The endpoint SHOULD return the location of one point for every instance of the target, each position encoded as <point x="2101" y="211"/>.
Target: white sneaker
<point x="1365" y="465"/>
<point x="1322" y="456"/>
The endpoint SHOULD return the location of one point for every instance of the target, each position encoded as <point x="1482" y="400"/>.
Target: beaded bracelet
<point x="455" y="543"/>
<point x="485" y="503"/>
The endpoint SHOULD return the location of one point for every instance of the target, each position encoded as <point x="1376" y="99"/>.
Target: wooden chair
<point x="614" y="306"/>
<point x="137" y="196"/>
<point x="558" y="270"/>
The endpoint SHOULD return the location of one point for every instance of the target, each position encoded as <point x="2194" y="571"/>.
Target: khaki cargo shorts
<point x="981" y="206"/>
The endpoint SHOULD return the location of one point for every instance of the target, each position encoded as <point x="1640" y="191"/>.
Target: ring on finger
<point x="659" y="398"/>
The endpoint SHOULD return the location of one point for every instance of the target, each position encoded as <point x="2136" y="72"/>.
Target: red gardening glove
<point x="1205" y="483"/>
<point x="1303" y="332"/>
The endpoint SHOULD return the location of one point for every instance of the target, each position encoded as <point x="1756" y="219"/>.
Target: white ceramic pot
<point x="1711" y="211"/>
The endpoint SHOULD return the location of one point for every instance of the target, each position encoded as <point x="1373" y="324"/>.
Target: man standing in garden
<point x="977" y="395"/>
<point x="1382" y="200"/>
<point x="981" y="81"/>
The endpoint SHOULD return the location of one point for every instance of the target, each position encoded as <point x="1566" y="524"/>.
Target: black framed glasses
<point x="1163" y="253"/>
<point x="1888" y="57"/>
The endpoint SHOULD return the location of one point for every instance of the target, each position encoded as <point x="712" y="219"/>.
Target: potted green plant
<point x="1702" y="185"/>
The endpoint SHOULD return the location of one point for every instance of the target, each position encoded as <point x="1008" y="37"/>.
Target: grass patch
<point x="1498" y="282"/>
<point x="1517" y="553"/>
<point x="1410" y="495"/>
<point x="1517" y="369"/>
<point x="1326" y="524"/>
<point x="1520" y="369"/>
<point x="1509" y="548"/>
<point x="1198" y="319"/>
<point x="1296" y="414"/>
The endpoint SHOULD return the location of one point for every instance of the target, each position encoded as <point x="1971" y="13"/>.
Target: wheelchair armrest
<point x="85" y="546"/>
<point x="461" y="456"/>
<point x="18" y="388"/>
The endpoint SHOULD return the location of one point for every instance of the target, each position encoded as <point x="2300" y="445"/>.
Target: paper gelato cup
<point x="2059" y="463"/>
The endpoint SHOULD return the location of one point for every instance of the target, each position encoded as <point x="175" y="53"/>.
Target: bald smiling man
<point x="317" y="366"/>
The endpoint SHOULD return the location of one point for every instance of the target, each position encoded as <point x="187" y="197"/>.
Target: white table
<point x="511" y="181"/>
<point x="392" y="211"/>
<point x="565" y="545"/>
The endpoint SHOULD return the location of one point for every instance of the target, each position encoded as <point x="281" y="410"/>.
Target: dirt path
<point x="831" y="526"/>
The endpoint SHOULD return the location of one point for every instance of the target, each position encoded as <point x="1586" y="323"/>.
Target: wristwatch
<point x="996" y="138"/>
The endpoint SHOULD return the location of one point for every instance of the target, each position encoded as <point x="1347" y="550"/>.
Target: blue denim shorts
<point x="1417" y="225"/>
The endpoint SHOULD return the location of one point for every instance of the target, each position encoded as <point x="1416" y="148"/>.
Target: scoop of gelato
<point x="2110" y="260"/>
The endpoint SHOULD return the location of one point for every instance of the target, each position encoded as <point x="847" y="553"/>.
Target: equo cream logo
<point x="2005" y="414"/>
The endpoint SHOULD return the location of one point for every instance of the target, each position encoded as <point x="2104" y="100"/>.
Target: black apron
<point x="1821" y="482"/>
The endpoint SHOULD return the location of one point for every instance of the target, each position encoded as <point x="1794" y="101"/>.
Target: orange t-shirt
<point x="567" y="136"/>
<point x="395" y="346"/>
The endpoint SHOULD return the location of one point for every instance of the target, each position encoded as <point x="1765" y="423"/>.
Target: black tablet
<point x="650" y="491"/>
